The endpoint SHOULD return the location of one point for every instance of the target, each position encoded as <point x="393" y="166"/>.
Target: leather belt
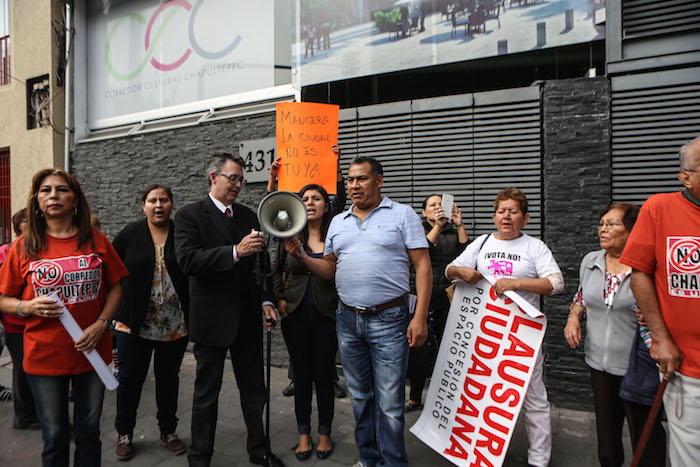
<point x="370" y="310"/>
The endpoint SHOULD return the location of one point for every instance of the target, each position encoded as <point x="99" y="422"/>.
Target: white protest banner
<point x="482" y="372"/>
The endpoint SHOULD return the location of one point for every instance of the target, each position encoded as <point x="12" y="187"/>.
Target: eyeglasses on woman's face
<point x="609" y="225"/>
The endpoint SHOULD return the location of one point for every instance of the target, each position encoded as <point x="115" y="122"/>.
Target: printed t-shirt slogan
<point x="76" y="279"/>
<point x="683" y="266"/>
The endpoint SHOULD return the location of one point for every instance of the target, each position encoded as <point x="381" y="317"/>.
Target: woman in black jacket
<point x="445" y="242"/>
<point x="152" y="320"/>
<point x="307" y="305"/>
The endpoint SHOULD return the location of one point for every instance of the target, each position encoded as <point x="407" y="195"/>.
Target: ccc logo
<point x="156" y="36"/>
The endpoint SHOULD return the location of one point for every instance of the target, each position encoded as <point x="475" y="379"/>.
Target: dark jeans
<point x="420" y="365"/>
<point x="290" y="371"/>
<point x="25" y="410"/>
<point x="610" y="413"/>
<point x="134" y="360"/>
<point x="421" y="359"/>
<point x="312" y="343"/>
<point x="655" y="450"/>
<point x="51" y="398"/>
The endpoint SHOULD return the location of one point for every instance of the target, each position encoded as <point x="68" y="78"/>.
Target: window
<point x="4" y="18"/>
<point x="5" y="208"/>
<point x="4" y="42"/>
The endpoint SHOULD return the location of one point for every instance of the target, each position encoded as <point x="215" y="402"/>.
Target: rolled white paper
<point x="524" y="305"/>
<point x="93" y="357"/>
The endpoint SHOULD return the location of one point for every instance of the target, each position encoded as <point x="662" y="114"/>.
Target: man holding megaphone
<point x="215" y="240"/>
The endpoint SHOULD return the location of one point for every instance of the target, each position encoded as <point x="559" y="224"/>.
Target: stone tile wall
<point x="576" y="186"/>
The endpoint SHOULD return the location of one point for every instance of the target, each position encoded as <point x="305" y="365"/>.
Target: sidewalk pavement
<point x="573" y="431"/>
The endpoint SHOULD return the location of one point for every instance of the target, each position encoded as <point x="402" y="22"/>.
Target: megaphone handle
<point x="258" y="271"/>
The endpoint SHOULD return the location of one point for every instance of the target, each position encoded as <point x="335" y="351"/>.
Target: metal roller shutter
<point x="653" y="115"/>
<point x="507" y="152"/>
<point x="470" y="145"/>
<point x="443" y="148"/>
<point x="347" y="137"/>
<point x="653" y="17"/>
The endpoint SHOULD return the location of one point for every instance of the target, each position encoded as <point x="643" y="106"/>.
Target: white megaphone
<point x="282" y="214"/>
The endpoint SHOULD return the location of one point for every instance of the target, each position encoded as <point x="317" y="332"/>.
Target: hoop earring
<point x="39" y="213"/>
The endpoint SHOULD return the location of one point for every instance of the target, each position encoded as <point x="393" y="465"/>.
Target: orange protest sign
<point x="306" y="133"/>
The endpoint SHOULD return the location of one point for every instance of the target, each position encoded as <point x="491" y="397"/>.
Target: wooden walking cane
<point x="650" y="422"/>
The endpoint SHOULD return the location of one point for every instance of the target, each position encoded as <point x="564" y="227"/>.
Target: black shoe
<point x="304" y="455"/>
<point x="289" y="390"/>
<point x="339" y="391"/>
<point x="32" y="425"/>
<point x="267" y="461"/>
<point x="324" y="454"/>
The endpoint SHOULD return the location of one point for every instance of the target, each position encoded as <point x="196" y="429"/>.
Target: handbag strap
<point x="482" y="243"/>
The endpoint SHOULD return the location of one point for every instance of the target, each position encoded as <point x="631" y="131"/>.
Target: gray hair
<point x="217" y="161"/>
<point x="685" y="153"/>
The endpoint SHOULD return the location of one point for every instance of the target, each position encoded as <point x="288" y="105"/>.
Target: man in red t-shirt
<point x="664" y="252"/>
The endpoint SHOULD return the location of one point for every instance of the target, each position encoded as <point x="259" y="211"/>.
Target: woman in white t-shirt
<point x="517" y="261"/>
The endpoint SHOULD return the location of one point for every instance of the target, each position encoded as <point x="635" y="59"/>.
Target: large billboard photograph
<point x="342" y="39"/>
<point x="151" y="54"/>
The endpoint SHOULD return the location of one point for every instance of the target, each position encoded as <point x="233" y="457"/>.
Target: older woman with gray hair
<point x="605" y="299"/>
<point x="531" y="271"/>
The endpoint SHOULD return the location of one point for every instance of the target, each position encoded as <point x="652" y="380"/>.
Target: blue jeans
<point x="51" y="399"/>
<point x="374" y="352"/>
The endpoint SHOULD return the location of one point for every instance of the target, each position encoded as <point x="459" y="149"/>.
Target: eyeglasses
<point x="233" y="179"/>
<point x="608" y="225"/>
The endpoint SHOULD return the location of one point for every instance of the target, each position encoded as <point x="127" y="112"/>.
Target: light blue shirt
<point x="372" y="256"/>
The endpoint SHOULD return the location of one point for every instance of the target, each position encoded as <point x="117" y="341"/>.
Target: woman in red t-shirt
<point x="25" y="411"/>
<point x="61" y="253"/>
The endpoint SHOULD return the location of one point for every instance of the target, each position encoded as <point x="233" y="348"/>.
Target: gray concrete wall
<point x="576" y="185"/>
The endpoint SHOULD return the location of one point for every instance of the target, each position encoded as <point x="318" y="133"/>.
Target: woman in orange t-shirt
<point x="25" y="417"/>
<point x="61" y="253"/>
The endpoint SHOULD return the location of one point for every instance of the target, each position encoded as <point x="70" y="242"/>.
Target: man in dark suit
<point x="216" y="240"/>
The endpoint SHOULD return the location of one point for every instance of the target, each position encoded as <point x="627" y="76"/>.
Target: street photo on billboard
<point x="342" y="39"/>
